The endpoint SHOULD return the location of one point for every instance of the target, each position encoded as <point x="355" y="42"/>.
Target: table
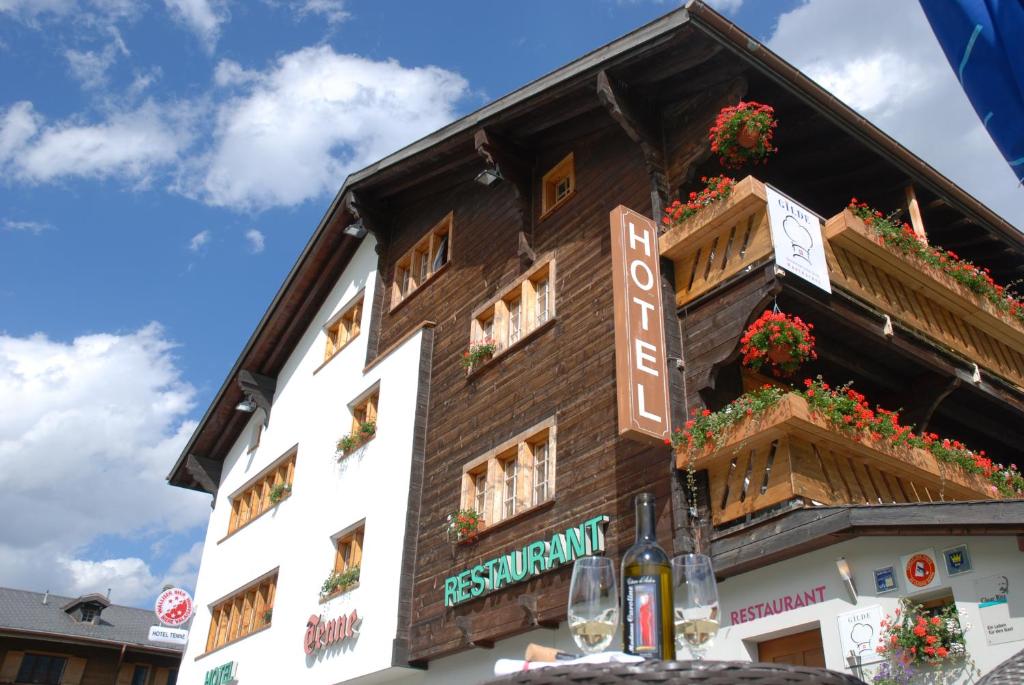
<point x="680" y="673"/>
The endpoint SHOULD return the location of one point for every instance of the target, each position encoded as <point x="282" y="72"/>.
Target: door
<point x="801" y="649"/>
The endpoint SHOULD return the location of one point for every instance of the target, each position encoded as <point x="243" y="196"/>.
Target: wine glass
<point x="593" y="604"/>
<point x="695" y="603"/>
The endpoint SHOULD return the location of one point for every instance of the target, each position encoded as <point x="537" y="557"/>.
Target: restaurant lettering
<point x="640" y="371"/>
<point x="522" y="564"/>
<point x="321" y="633"/>
<point x="778" y="605"/>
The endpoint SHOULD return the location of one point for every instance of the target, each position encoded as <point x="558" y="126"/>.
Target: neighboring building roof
<point x="803" y="530"/>
<point x="24" y="612"/>
<point x="328" y="250"/>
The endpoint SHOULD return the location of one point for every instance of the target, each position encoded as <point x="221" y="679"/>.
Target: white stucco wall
<point x="990" y="556"/>
<point x="311" y="410"/>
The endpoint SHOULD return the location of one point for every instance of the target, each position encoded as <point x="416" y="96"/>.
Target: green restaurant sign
<point x="222" y="675"/>
<point x="522" y="564"/>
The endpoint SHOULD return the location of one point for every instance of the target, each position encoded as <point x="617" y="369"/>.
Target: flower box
<point x="787" y="452"/>
<point x="719" y="241"/>
<point x="924" y="297"/>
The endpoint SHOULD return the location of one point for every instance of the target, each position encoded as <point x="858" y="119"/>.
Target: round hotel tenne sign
<point x="173" y="606"/>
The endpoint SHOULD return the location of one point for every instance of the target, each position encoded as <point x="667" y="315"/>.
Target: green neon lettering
<point x="535" y="553"/>
<point x="516" y="566"/>
<point x="502" y="575"/>
<point x="596" y="539"/>
<point x="479" y="582"/>
<point x="463" y="586"/>
<point x="557" y="555"/>
<point x="451" y="591"/>
<point x="575" y="539"/>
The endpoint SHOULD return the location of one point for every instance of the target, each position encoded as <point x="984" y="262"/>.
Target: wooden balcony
<point x="788" y="453"/>
<point x="924" y="298"/>
<point x="720" y="241"/>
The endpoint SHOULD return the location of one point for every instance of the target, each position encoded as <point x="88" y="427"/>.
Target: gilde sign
<point x="173" y="607"/>
<point x="640" y="370"/>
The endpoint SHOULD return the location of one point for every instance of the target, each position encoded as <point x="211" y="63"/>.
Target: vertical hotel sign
<point x="640" y="369"/>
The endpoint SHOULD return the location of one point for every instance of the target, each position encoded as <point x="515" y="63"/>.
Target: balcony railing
<point x="924" y="298"/>
<point x="720" y="241"/>
<point x="789" y="453"/>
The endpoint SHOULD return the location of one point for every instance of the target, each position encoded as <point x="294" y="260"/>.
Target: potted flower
<point x="279" y="492"/>
<point x="267" y="615"/>
<point x="347" y="443"/>
<point x="339" y="581"/>
<point x="781" y="341"/>
<point x="743" y="133"/>
<point x="716" y="189"/>
<point x="914" y="637"/>
<point x="478" y="352"/>
<point x="463" y="525"/>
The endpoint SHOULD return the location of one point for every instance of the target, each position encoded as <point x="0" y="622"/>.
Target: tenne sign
<point x="321" y="633"/>
<point x="641" y="378"/>
<point x="522" y="564"/>
<point x="174" y="636"/>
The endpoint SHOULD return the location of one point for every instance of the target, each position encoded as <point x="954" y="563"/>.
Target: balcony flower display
<point x="716" y="189"/>
<point x="339" y="581"/>
<point x="367" y="429"/>
<point x="279" y="491"/>
<point x="743" y="133"/>
<point x="847" y="411"/>
<point x="478" y="352"/>
<point x="463" y="525"/>
<point x="901" y="237"/>
<point x="778" y="340"/>
<point x="913" y="637"/>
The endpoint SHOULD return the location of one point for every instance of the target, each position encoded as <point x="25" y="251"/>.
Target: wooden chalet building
<point x="517" y="197"/>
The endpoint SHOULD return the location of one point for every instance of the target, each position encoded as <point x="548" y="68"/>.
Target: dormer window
<point x="89" y="614"/>
<point x="87" y="609"/>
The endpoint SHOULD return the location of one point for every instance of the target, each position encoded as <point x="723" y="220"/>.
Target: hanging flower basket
<point x="779" y="341"/>
<point x="743" y="133"/>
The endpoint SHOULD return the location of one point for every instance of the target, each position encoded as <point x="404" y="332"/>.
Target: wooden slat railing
<point x="719" y="241"/>
<point x="789" y="453"/>
<point x="924" y="298"/>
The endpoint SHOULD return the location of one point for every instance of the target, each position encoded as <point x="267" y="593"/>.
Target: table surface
<point x="680" y="672"/>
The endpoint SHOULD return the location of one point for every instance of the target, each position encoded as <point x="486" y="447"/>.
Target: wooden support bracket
<point x="529" y="604"/>
<point x="260" y="389"/>
<point x="513" y="164"/>
<point x="205" y="471"/>
<point x="922" y="397"/>
<point x="639" y="123"/>
<point x="365" y="212"/>
<point x="465" y="626"/>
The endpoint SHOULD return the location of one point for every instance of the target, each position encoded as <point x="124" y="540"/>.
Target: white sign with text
<point x="175" y="636"/>
<point x="796" y="235"/>
<point x="860" y="633"/>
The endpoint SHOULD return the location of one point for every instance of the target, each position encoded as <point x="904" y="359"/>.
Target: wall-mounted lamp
<point x="356" y="230"/>
<point x="246" y="405"/>
<point x="488" y="177"/>
<point x="844" y="571"/>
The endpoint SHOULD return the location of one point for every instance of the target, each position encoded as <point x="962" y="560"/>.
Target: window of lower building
<point x="364" y="414"/>
<point x="517" y="476"/>
<point x="245" y="612"/>
<point x="172" y="677"/>
<point x="140" y="675"/>
<point x="801" y="649"/>
<point x="425" y="259"/>
<point x="41" y="668"/>
<point x="269" y="488"/>
<point x="348" y="558"/>
<point x="344" y="327"/>
<point x="558" y="185"/>
<point x="517" y="311"/>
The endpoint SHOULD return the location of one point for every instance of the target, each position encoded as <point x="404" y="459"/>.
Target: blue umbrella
<point x="984" y="43"/>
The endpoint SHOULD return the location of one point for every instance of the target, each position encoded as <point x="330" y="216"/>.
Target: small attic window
<point x="87" y="609"/>
<point x="89" y="614"/>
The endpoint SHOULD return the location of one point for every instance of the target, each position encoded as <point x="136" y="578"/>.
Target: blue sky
<point x="164" y="162"/>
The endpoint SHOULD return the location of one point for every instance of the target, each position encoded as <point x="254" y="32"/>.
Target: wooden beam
<point x="366" y="212"/>
<point x="204" y="471"/>
<point x="513" y="163"/>
<point x="636" y="120"/>
<point x="915" y="213"/>
<point x="260" y="389"/>
<point x="921" y="397"/>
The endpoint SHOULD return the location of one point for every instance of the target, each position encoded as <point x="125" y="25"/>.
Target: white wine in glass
<point x="593" y="604"/>
<point x="695" y="603"/>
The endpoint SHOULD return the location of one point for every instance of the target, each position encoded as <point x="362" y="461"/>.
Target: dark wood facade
<point x="88" y="663"/>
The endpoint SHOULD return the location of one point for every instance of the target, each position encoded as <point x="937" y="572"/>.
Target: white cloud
<point x="296" y="129"/>
<point x="882" y="59"/>
<point x="230" y="73"/>
<point x="183" y="570"/>
<point x="331" y="10"/>
<point x="34" y="227"/>
<point x="202" y="17"/>
<point x="725" y="6"/>
<point x="199" y="240"/>
<point x="129" y="144"/>
<point x="256" y="240"/>
<point x="29" y="10"/>
<point x="90" y="66"/>
<point x="88" y="431"/>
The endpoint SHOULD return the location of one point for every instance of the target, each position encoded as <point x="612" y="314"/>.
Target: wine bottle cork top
<point x="541" y="653"/>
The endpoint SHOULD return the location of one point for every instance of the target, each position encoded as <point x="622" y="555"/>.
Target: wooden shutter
<point x="124" y="676"/>
<point x="10" y="666"/>
<point x="73" y="671"/>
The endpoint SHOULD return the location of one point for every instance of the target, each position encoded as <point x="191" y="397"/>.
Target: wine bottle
<point x="647" y="590"/>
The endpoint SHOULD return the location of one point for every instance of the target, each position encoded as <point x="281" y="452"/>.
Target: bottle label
<point x="643" y="616"/>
